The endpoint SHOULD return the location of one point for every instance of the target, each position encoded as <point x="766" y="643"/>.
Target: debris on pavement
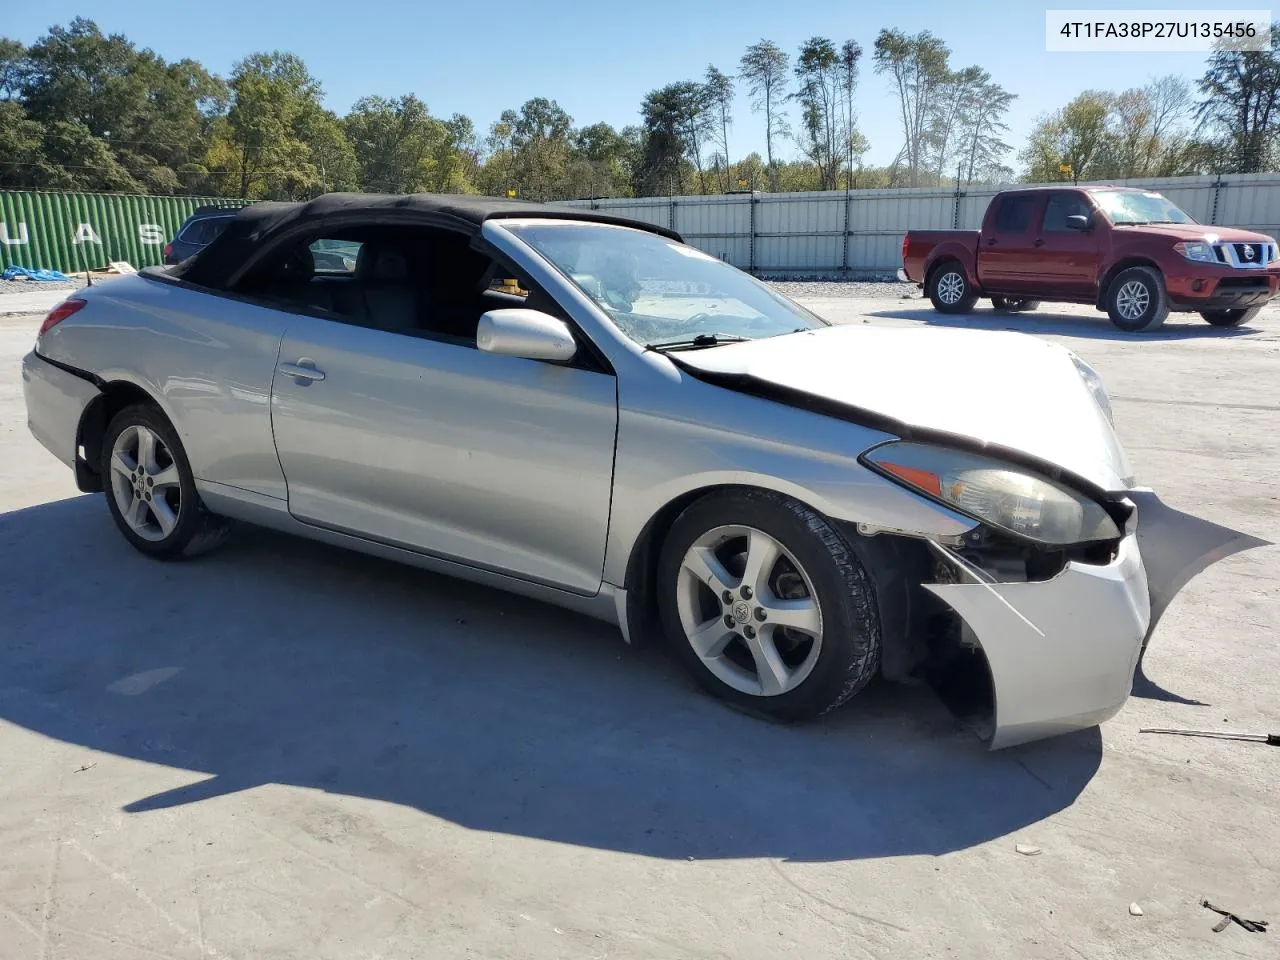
<point x="1027" y="849"/>
<point x="1135" y="910"/>
<point x="1271" y="739"/>
<point x="38" y="275"/>
<point x="1253" y="926"/>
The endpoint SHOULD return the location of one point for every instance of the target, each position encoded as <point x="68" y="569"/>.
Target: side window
<point x="194" y="232"/>
<point x="213" y="228"/>
<point x="417" y="281"/>
<point x="1061" y="206"/>
<point x="1014" y="215"/>
<point x="336" y="256"/>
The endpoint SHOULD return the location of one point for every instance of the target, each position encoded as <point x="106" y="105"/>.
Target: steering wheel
<point x="616" y="300"/>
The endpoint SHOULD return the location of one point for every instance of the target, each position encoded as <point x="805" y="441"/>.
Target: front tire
<point x="150" y="489"/>
<point x="949" y="290"/>
<point x="1013" y="304"/>
<point x="1136" y="300"/>
<point x="1231" y="318"/>
<point x="767" y="606"/>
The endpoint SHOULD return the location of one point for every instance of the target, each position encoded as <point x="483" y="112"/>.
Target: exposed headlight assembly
<point x="1010" y="498"/>
<point x="1094" y="383"/>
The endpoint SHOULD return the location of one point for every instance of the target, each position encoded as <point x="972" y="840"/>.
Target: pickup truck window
<point x="1138" y="206"/>
<point x="1061" y="206"/>
<point x="1014" y="215"/>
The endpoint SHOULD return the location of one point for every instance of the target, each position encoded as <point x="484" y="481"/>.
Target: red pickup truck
<point x="1127" y="251"/>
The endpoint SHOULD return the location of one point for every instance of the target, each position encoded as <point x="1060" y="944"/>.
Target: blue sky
<point x="598" y="59"/>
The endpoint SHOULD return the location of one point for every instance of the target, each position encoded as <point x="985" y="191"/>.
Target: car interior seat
<point x="390" y="298"/>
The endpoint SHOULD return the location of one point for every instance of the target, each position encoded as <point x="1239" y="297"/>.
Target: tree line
<point x="84" y="110"/>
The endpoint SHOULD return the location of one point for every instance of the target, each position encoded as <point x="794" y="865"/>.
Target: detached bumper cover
<point x="1062" y="652"/>
<point x="56" y="400"/>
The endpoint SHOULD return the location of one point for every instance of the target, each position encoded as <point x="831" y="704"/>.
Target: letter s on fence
<point x="150" y="234"/>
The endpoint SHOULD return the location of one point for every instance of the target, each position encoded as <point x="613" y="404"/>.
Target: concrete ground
<point x="287" y="751"/>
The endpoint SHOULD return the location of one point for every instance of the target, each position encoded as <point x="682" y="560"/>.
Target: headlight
<point x="1095" y="385"/>
<point x="999" y="494"/>
<point x="1200" y="252"/>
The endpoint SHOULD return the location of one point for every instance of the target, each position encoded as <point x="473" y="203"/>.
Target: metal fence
<point x="73" y="232"/>
<point x="837" y="233"/>
<point x="860" y="232"/>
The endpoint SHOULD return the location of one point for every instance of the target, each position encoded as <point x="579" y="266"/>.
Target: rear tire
<point x="734" y="565"/>
<point x="150" y="489"/>
<point x="1230" y="318"/>
<point x="949" y="289"/>
<point x="1014" y="304"/>
<point x="1136" y="300"/>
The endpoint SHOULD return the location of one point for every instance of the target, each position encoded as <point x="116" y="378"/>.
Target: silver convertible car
<point x="588" y="411"/>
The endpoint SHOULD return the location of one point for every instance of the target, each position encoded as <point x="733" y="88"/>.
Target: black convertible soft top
<point x="222" y="261"/>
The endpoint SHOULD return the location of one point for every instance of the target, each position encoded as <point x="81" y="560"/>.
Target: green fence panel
<point x="74" y="232"/>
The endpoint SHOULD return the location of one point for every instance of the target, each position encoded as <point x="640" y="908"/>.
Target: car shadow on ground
<point x="280" y="661"/>
<point x="1179" y="326"/>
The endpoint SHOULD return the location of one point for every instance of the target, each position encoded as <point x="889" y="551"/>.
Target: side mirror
<point x="521" y="332"/>
<point x="1078" y="221"/>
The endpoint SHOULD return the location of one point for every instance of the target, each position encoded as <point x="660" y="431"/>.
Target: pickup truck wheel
<point x="949" y="289"/>
<point x="1230" y="318"/>
<point x="1014" y="304"/>
<point x="1136" y="300"/>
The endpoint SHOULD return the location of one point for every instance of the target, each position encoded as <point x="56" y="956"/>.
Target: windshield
<point x="1123" y="206"/>
<point x="660" y="292"/>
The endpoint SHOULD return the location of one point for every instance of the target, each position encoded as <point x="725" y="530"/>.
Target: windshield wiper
<point x="701" y="341"/>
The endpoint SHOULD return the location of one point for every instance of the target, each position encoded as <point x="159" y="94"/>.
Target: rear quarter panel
<point x="207" y="361"/>
<point x="927" y="247"/>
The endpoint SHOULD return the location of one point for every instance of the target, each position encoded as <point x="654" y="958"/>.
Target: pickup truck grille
<point x="1245" y="256"/>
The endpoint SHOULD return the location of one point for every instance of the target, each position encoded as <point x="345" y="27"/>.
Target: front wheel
<point x="1230" y="318"/>
<point x="766" y="605"/>
<point x="151" y="490"/>
<point x="1013" y="304"/>
<point x="949" y="290"/>
<point x="1136" y="300"/>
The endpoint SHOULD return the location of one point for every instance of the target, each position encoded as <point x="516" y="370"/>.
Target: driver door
<point x="425" y="442"/>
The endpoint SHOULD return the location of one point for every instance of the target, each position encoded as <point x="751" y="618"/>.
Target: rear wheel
<point x="1230" y="318"/>
<point x="1136" y="300"/>
<point x="1014" y="304"/>
<point x="766" y="605"/>
<point x="151" y="490"/>
<point x="949" y="290"/>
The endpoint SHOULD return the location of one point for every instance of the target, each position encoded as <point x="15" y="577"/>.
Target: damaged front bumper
<point x="1062" y="652"/>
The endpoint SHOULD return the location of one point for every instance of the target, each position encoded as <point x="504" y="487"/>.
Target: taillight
<point x="905" y="244"/>
<point x="168" y="249"/>
<point x="59" y="313"/>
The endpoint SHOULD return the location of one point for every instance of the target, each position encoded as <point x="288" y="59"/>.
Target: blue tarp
<point x="44" y="276"/>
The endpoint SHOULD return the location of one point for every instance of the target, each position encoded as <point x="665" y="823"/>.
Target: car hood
<point x="1003" y="391"/>
<point x="1199" y="231"/>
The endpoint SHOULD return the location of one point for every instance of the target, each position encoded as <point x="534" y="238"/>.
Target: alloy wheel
<point x="145" y="483"/>
<point x="950" y="288"/>
<point x="749" y="610"/>
<point x="1133" y="300"/>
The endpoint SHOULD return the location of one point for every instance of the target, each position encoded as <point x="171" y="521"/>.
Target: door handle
<point x="1038" y="242"/>
<point x="991" y="242"/>
<point x="304" y="371"/>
